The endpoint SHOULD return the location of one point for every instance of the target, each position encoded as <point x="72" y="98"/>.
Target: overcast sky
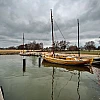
<point x="32" y="17"/>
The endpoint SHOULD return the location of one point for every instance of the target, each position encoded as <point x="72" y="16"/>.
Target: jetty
<point x="31" y="54"/>
<point x="96" y="58"/>
<point x="1" y="94"/>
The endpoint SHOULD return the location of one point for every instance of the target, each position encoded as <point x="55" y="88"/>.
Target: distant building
<point x="72" y="48"/>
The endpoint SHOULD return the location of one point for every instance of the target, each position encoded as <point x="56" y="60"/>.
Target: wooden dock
<point x="1" y="94"/>
<point x="31" y="54"/>
<point x="96" y="58"/>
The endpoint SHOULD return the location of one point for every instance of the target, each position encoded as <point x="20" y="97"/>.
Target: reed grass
<point x="9" y="52"/>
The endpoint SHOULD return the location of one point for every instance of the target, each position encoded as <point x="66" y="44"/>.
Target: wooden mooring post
<point x="39" y="61"/>
<point x="24" y="65"/>
<point x="24" y="60"/>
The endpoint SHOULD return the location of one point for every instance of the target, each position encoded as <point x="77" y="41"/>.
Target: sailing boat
<point x="66" y="60"/>
<point x="22" y="53"/>
<point x="86" y="68"/>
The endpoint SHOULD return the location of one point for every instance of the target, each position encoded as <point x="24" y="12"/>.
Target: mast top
<point x="51" y="16"/>
<point x="52" y="32"/>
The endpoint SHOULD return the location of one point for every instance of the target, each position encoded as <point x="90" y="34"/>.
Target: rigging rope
<point x="59" y="30"/>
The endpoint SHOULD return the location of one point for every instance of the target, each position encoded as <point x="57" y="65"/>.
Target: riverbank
<point x="92" y="52"/>
<point x="82" y="53"/>
<point x="9" y="52"/>
<point x="95" y="53"/>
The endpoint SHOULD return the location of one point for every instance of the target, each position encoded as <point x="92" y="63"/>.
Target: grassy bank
<point x="95" y="52"/>
<point x="9" y="52"/>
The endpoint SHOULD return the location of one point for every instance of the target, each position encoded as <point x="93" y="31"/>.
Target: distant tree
<point x="90" y="45"/>
<point x="56" y="46"/>
<point x="1" y="48"/>
<point x="81" y="48"/>
<point x="31" y="46"/>
<point x="67" y="44"/>
<point x="99" y="40"/>
<point x="20" y="47"/>
<point x="73" y="48"/>
<point x="98" y="47"/>
<point x="60" y="45"/>
<point x="37" y="46"/>
<point x="12" y="47"/>
<point x="41" y="45"/>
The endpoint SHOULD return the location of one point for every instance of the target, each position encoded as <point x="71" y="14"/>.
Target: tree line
<point x="29" y="46"/>
<point x="62" y="45"/>
<point x="58" y="46"/>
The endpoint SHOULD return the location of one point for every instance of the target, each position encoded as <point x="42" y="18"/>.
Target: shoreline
<point x="9" y="52"/>
<point x="14" y="52"/>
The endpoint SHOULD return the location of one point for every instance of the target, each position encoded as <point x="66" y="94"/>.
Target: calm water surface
<point x="48" y="82"/>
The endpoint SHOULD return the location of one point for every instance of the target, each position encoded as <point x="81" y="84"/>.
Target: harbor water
<point x="47" y="81"/>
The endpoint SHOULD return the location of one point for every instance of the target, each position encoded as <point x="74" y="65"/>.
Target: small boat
<point x="65" y="60"/>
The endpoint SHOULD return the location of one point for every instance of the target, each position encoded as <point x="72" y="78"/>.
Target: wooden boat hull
<point x="68" y="67"/>
<point x="67" y="62"/>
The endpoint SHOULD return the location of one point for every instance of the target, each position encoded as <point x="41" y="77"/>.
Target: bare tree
<point x="90" y="45"/>
<point x="99" y="40"/>
<point x="61" y="45"/>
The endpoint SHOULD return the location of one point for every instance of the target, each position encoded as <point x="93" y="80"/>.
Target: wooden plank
<point x="1" y="94"/>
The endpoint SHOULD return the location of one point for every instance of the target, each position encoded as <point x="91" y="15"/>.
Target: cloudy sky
<point x="32" y="17"/>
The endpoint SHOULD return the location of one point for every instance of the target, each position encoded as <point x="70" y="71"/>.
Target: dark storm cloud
<point x="89" y="20"/>
<point x="33" y="18"/>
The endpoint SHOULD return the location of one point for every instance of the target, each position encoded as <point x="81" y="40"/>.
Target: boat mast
<point x="23" y="43"/>
<point x="78" y="38"/>
<point x="52" y="33"/>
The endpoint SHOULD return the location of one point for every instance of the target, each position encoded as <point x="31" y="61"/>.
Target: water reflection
<point x="34" y="60"/>
<point x="64" y="86"/>
<point x="52" y="94"/>
<point x="69" y="68"/>
<point x="97" y="72"/>
<point x="37" y="83"/>
<point x="78" y="86"/>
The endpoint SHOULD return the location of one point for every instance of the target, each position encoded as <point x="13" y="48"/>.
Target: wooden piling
<point x="24" y="65"/>
<point x="39" y="61"/>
